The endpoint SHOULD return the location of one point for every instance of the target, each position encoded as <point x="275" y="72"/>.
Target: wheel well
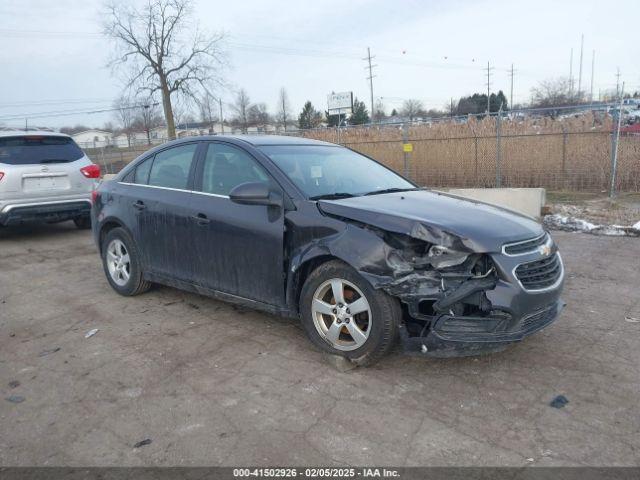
<point x="106" y="228"/>
<point x="305" y="270"/>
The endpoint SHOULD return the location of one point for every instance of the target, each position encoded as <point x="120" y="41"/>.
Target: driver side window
<point x="225" y="167"/>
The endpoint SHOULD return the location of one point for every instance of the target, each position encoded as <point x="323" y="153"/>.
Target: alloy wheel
<point x="341" y="314"/>
<point x="118" y="262"/>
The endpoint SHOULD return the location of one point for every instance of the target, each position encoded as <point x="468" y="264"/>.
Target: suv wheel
<point x="121" y="263"/>
<point x="343" y="315"/>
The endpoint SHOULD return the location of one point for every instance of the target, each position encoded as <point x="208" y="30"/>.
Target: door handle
<point x="139" y="205"/>
<point x="201" y="218"/>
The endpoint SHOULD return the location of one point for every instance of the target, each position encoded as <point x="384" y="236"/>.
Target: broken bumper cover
<point x="516" y="312"/>
<point x="453" y="336"/>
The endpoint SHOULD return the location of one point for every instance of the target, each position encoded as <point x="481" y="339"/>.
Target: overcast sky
<point x="55" y="59"/>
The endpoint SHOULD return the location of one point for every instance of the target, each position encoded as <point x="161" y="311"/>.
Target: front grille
<point x="527" y="246"/>
<point x="540" y="274"/>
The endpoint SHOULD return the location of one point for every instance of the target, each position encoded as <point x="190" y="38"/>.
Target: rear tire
<point x="361" y="326"/>
<point x="83" y="222"/>
<point x="121" y="263"/>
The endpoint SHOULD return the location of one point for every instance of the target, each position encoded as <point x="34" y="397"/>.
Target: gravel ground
<point x="213" y="384"/>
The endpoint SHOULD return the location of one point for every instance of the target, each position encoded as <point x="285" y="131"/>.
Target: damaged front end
<point x="458" y="297"/>
<point x="459" y="302"/>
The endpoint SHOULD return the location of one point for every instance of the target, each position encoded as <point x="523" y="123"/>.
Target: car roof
<point x="254" y="140"/>
<point x="23" y="133"/>
<point x="260" y="140"/>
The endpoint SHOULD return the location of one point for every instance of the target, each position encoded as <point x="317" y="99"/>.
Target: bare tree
<point x="554" y="92"/>
<point x="258" y="115"/>
<point x="241" y="106"/>
<point x="165" y="52"/>
<point x="412" y="108"/>
<point x="147" y="117"/>
<point x="208" y="105"/>
<point x="379" y="113"/>
<point x="124" y="114"/>
<point x="283" y="114"/>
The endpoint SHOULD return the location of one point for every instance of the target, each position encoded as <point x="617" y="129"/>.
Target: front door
<point x="238" y="248"/>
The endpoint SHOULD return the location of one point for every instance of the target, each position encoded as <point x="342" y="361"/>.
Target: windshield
<point x="33" y="149"/>
<point x="331" y="172"/>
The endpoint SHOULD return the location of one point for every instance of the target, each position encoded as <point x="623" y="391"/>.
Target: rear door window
<point x="37" y="149"/>
<point x="171" y="167"/>
<point x="141" y="175"/>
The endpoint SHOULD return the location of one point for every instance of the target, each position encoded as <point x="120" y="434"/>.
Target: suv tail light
<point x="91" y="171"/>
<point x="1" y="175"/>
<point x="94" y="196"/>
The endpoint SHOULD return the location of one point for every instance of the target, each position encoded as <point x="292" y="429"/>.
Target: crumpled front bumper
<point x="519" y="312"/>
<point x="464" y="336"/>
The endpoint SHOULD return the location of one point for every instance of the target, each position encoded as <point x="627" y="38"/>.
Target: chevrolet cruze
<point x="316" y="231"/>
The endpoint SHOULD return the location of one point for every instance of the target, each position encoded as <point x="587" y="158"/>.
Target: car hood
<point x="437" y="218"/>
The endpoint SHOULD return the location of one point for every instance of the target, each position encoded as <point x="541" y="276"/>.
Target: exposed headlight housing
<point x="443" y="257"/>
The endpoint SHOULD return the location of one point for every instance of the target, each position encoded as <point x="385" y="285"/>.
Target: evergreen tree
<point x="360" y="115"/>
<point x="309" y="117"/>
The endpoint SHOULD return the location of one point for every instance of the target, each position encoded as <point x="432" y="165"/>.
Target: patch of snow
<point x="573" y="224"/>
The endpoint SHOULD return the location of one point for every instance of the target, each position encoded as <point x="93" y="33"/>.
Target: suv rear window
<point x="33" y="149"/>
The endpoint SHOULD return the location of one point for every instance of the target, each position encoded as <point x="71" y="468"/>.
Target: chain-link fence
<point x="575" y="155"/>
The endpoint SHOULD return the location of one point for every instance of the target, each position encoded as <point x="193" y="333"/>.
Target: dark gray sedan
<point x="313" y="230"/>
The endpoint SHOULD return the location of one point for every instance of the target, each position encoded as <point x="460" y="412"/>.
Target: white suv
<point x="44" y="176"/>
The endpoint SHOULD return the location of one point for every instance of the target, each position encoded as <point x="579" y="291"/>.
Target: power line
<point x="62" y="113"/>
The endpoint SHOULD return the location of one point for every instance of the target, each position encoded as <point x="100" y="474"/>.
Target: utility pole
<point x="618" y="83"/>
<point x="580" y="71"/>
<point x="489" y="68"/>
<point x="26" y="124"/>
<point x="368" y="58"/>
<point x="593" y="63"/>
<point x="284" y="112"/>
<point x="511" y="96"/>
<point x="571" y="74"/>
<point x="221" y="117"/>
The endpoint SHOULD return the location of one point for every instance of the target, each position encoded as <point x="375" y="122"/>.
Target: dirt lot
<point x="211" y="384"/>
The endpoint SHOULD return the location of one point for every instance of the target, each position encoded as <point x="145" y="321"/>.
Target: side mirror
<point x="255" y="193"/>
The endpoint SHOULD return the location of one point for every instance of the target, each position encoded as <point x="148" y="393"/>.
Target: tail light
<point x="91" y="171"/>
<point x="1" y="175"/>
<point x="94" y="196"/>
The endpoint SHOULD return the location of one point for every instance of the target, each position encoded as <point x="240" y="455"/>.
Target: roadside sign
<point x="407" y="147"/>
<point x="341" y="102"/>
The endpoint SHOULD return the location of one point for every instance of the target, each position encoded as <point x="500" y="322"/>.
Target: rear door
<point x="42" y="168"/>
<point x="239" y="248"/>
<point x="159" y="196"/>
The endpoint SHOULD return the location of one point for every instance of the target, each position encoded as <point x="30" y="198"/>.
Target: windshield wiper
<point x="392" y="190"/>
<point x="332" y="196"/>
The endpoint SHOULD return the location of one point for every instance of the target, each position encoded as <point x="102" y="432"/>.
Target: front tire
<point x="343" y="315"/>
<point x="121" y="263"/>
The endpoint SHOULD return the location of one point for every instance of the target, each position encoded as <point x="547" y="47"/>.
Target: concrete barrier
<point x="523" y="200"/>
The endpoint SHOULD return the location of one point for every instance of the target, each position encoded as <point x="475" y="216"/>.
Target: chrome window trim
<point x="528" y="252"/>
<point x="174" y="189"/>
<point x="10" y="207"/>
<point x="546" y="289"/>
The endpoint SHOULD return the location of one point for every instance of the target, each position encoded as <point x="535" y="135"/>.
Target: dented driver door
<point x="239" y="248"/>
